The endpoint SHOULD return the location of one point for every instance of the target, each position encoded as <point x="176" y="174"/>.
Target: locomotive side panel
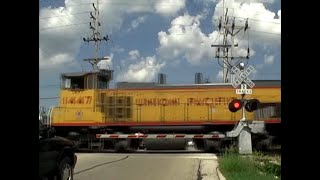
<point x="76" y="108"/>
<point x="174" y="106"/>
<point x="157" y="106"/>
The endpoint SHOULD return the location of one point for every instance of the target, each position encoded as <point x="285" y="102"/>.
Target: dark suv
<point x="56" y="155"/>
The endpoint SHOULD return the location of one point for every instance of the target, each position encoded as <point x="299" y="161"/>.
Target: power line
<point x="54" y="27"/>
<point x="139" y="4"/>
<point x="254" y="20"/>
<point x="61" y="15"/>
<point x="79" y="4"/>
<point x="268" y="73"/>
<point x="251" y="10"/>
<point x="261" y="20"/>
<point x="122" y="3"/>
<point x="249" y="30"/>
<point x="46" y="98"/>
<point x="64" y="15"/>
<point x="125" y="3"/>
<point x="264" y="32"/>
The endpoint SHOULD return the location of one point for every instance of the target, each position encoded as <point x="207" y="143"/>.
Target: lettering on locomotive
<point x="190" y="101"/>
<point x="158" y="101"/>
<point x="77" y="100"/>
<point x="209" y="101"/>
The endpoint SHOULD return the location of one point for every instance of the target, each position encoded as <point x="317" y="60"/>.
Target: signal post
<point x="244" y="127"/>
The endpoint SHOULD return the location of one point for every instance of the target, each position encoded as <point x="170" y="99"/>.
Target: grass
<point x="258" y="166"/>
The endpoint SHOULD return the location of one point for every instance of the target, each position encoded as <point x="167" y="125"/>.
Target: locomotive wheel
<point x="121" y="146"/>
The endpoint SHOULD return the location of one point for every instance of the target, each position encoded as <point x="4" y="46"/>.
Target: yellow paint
<point x="171" y="105"/>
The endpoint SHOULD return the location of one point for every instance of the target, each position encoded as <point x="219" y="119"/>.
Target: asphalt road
<point x="146" y="166"/>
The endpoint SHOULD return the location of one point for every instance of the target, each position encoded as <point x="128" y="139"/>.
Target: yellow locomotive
<point x="88" y="107"/>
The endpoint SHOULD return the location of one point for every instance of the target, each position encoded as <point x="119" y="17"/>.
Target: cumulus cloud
<point x="185" y="39"/>
<point x="60" y="33"/>
<point x="117" y="49"/>
<point x="54" y="60"/>
<point x="106" y="64"/>
<point x="134" y="54"/>
<point x="59" y="26"/>
<point x="144" y="70"/>
<point x="136" y="22"/>
<point x="169" y="7"/>
<point x="268" y="59"/>
<point x="51" y="51"/>
<point x="260" y="1"/>
<point x="264" y="26"/>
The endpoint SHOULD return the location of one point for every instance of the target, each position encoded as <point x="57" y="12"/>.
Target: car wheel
<point x="65" y="169"/>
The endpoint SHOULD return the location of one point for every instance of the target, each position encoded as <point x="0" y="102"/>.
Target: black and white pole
<point x="244" y="138"/>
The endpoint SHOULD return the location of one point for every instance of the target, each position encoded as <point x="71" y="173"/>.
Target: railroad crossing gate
<point x="242" y="76"/>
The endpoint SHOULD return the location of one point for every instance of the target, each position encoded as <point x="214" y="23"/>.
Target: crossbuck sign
<point x="242" y="76"/>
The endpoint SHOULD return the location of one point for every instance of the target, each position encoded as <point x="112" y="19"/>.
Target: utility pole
<point x="227" y="27"/>
<point x="96" y="37"/>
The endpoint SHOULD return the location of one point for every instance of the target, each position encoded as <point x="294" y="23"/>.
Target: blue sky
<point x="154" y="36"/>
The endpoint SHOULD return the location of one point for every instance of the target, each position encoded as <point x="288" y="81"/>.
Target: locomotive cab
<point x="78" y="96"/>
<point x="86" y="80"/>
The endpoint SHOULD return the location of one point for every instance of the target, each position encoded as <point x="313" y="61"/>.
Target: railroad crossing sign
<point x="243" y="90"/>
<point x="242" y="76"/>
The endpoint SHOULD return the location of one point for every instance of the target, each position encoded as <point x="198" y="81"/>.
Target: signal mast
<point x="227" y="26"/>
<point x="96" y="37"/>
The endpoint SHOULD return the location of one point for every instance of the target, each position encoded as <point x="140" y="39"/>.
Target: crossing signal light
<point x="252" y="105"/>
<point x="235" y="105"/>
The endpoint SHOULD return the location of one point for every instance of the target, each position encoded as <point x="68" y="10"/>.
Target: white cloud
<point x="52" y="49"/>
<point x="106" y="64"/>
<point x="134" y="54"/>
<point x="58" y="27"/>
<point x="60" y="37"/>
<point x="169" y="7"/>
<point x="185" y="39"/>
<point x="117" y="49"/>
<point x="54" y="60"/>
<point x="268" y="59"/>
<point x="162" y="7"/>
<point x="263" y="24"/>
<point x="253" y="1"/>
<point x="144" y="70"/>
<point x="136" y="22"/>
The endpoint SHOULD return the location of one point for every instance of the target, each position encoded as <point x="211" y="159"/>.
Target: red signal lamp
<point x="235" y="105"/>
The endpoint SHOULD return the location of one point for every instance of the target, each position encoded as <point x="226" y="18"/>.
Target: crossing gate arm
<point x="160" y="136"/>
